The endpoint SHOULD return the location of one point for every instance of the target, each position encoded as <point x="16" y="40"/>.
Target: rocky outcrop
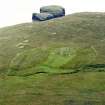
<point x="41" y="16"/>
<point x="48" y="12"/>
<point x="57" y="11"/>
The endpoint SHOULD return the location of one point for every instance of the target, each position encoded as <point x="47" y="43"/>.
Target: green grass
<point x="45" y="89"/>
<point x="58" y="60"/>
<point x="55" y="62"/>
<point x="74" y="31"/>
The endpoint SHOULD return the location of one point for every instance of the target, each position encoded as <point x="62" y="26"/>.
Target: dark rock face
<point x="41" y="16"/>
<point x="57" y="11"/>
<point x="48" y="12"/>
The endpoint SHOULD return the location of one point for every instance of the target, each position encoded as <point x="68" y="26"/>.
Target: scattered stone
<point x="25" y="41"/>
<point x="54" y="33"/>
<point x="21" y="47"/>
<point x="19" y="44"/>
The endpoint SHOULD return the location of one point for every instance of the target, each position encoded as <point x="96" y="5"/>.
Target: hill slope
<point x="49" y="53"/>
<point x="70" y="34"/>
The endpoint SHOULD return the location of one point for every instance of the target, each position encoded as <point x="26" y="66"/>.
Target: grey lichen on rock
<point x="41" y="16"/>
<point x="57" y="11"/>
<point x="48" y="12"/>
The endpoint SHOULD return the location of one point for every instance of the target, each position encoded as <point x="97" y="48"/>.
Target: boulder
<point x="57" y="11"/>
<point x="41" y="16"/>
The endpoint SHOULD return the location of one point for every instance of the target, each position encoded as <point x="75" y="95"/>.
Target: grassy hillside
<point x="55" y="62"/>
